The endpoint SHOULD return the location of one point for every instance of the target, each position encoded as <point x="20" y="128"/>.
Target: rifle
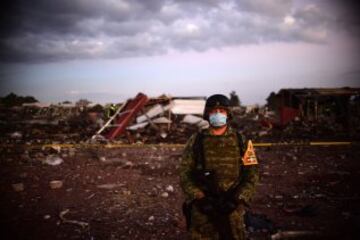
<point x="213" y="204"/>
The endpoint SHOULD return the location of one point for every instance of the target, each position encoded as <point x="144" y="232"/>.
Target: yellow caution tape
<point x="329" y="143"/>
<point x="122" y="145"/>
<point x="302" y="144"/>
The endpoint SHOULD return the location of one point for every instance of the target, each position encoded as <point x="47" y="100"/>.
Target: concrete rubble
<point x="53" y="160"/>
<point x="55" y="184"/>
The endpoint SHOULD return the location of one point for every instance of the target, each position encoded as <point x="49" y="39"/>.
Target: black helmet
<point x="217" y="100"/>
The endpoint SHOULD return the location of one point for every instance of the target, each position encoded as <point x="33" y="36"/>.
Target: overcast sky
<point x="107" y="51"/>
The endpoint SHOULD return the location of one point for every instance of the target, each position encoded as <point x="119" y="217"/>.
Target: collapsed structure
<point x="153" y="116"/>
<point x="140" y="119"/>
<point x="339" y="105"/>
<point x="291" y="114"/>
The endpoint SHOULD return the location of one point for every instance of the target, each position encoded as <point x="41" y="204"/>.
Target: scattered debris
<point x="55" y="184"/>
<point x="16" y="135"/>
<point x="165" y="194"/>
<point x="110" y="186"/>
<point x="122" y="188"/>
<point x="129" y="164"/>
<point x="163" y="135"/>
<point x="53" y="160"/>
<point x="18" y="187"/>
<point x="65" y="220"/>
<point x="91" y="196"/>
<point x="293" y="234"/>
<point x="170" y="188"/>
<point x="126" y="192"/>
<point x="303" y="211"/>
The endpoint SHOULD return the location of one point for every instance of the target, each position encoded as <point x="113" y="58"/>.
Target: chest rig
<point x="220" y="154"/>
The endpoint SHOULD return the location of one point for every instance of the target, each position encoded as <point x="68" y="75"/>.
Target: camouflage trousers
<point x="202" y="229"/>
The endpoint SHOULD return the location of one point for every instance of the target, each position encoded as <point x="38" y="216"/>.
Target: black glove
<point x="229" y="205"/>
<point x="206" y="206"/>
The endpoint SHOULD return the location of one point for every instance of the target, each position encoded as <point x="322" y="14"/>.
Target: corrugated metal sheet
<point x="181" y="106"/>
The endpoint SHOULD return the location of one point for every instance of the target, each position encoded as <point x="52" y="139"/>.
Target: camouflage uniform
<point x="222" y="154"/>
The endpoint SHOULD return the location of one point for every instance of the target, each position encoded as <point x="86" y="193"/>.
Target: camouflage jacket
<point x="223" y="155"/>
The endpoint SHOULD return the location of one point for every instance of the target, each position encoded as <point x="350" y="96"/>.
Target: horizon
<point x="152" y="97"/>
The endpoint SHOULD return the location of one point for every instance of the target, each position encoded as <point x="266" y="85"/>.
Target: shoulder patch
<point x="249" y="157"/>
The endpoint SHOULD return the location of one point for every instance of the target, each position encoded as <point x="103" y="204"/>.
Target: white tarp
<point x="188" y="106"/>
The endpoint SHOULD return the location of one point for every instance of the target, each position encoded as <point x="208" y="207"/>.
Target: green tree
<point x="234" y="99"/>
<point x="14" y="100"/>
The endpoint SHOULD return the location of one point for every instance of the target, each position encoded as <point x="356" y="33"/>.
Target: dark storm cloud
<point x="348" y="17"/>
<point x="50" y="30"/>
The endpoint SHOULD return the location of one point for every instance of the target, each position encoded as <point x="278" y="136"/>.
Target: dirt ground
<point x="134" y="193"/>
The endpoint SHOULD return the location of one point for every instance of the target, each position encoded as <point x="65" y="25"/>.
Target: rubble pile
<point x="174" y="120"/>
<point x="46" y="124"/>
<point x="322" y="130"/>
<point x="160" y="120"/>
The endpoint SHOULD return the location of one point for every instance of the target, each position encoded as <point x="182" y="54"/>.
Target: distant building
<point x="313" y="103"/>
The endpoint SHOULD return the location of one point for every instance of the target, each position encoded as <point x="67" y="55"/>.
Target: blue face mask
<point x="217" y="119"/>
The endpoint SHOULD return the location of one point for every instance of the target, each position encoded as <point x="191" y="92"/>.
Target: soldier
<point x="111" y="110"/>
<point x="228" y="171"/>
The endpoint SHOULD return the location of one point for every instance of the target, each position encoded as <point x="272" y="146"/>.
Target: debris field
<point x="133" y="193"/>
<point x="58" y="181"/>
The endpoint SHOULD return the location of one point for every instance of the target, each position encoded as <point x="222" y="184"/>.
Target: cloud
<point x="266" y="7"/>
<point x="42" y="30"/>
